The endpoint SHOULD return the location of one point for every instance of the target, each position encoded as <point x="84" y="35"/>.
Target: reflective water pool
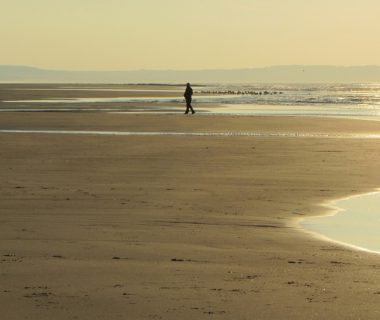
<point x="355" y="222"/>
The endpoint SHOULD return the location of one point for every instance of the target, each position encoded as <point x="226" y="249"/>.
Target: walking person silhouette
<point x="188" y="94"/>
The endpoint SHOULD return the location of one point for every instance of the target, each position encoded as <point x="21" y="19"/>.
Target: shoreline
<point x="195" y="134"/>
<point x="331" y="210"/>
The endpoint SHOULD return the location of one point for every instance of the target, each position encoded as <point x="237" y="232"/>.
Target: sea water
<point x="342" y="100"/>
<point x="355" y="221"/>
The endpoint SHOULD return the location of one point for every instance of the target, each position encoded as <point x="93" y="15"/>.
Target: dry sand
<point x="167" y="227"/>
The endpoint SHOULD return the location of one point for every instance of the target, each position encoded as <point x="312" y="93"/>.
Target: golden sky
<point x="178" y="34"/>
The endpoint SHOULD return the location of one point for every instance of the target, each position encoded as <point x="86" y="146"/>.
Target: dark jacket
<point x="188" y="93"/>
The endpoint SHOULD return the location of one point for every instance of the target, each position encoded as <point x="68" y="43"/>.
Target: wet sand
<point x="173" y="227"/>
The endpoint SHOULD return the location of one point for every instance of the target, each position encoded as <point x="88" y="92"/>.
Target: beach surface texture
<point x="180" y="226"/>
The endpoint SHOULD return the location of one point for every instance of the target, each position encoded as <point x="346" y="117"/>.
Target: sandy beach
<point x="181" y="227"/>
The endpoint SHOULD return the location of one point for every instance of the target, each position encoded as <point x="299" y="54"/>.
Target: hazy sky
<point x="178" y="34"/>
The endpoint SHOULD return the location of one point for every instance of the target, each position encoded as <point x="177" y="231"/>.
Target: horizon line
<point x="193" y="70"/>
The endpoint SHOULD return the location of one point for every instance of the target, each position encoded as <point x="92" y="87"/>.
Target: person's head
<point x="188" y="84"/>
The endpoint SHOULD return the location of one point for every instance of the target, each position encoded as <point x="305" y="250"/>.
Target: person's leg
<point x="188" y="106"/>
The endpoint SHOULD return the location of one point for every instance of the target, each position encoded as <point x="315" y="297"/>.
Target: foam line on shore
<point x="217" y="134"/>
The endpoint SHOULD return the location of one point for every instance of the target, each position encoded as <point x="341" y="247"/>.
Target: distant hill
<point x="275" y="74"/>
